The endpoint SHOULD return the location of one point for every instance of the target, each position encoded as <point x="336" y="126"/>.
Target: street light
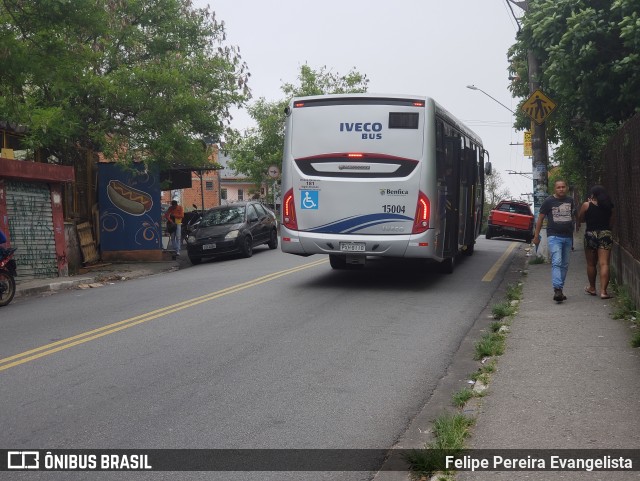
<point x="473" y="87"/>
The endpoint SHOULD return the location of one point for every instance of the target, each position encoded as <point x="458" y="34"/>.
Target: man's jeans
<point x="560" y="249"/>
<point x="175" y="240"/>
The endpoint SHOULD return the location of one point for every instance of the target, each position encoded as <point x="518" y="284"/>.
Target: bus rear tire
<point x="469" y="250"/>
<point x="447" y="265"/>
<point x="337" y="262"/>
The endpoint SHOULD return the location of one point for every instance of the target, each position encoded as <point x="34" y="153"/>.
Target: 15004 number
<point x="393" y="209"/>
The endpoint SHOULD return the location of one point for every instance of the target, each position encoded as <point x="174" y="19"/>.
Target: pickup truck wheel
<point x="489" y="233"/>
<point x="529" y="239"/>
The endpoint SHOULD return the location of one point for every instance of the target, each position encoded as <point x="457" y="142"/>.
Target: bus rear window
<point x="403" y="120"/>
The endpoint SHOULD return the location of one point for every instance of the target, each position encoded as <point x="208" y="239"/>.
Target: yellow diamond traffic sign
<point x="538" y="106"/>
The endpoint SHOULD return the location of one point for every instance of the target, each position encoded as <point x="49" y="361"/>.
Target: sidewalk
<point x="569" y="379"/>
<point x="98" y="275"/>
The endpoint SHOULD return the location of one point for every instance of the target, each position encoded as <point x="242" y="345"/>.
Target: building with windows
<point x="218" y="187"/>
<point x="235" y="186"/>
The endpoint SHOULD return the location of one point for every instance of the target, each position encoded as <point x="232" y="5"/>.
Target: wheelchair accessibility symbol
<point x="309" y="199"/>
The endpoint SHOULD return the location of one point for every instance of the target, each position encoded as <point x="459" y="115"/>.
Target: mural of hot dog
<point x="126" y="198"/>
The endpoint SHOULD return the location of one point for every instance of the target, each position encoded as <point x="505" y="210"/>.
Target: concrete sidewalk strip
<point x="97" y="277"/>
<point x="569" y="380"/>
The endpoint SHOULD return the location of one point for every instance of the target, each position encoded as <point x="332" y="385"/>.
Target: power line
<point x="522" y="5"/>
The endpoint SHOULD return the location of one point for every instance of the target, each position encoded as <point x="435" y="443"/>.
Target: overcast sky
<point x="422" y="47"/>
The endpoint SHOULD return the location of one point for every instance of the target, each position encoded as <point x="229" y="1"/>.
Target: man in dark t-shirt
<point x="559" y="210"/>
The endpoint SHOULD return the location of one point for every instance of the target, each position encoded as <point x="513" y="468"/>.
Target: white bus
<point x="380" y="175"/>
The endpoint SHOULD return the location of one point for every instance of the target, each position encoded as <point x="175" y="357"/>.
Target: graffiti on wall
<point x="31" y="229"/>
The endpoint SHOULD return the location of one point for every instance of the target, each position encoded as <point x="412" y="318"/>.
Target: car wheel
<point x="273" y="240"/>
<point x="337" y="262"/>
<point x="246" y="248"/>
<point x="195" y="260"/>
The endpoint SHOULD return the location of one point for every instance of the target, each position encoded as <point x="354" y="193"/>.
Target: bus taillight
<point x="423" y="211"/>
<point x="289" y="211"/>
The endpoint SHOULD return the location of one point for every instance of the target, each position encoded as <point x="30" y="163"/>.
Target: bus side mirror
<point x="487" y="168"/>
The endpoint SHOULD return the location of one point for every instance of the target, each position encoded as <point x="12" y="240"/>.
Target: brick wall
<point x="194" y="194"/>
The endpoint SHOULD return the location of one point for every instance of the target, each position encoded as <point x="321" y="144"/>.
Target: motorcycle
<point x="8" y="273"/>
<point x="190" y="221"/>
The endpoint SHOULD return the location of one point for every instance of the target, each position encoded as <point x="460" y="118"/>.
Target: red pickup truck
<point x="511" y="218"/>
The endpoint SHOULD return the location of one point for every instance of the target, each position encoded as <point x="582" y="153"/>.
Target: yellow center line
<point x="488" y="277"/>
<point x="81" y="338"/>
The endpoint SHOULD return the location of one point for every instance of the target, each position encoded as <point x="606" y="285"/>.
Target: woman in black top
<point x="597" y="212"/>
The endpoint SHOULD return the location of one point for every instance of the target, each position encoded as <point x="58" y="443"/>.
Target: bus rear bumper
<point x="412" y="245"/>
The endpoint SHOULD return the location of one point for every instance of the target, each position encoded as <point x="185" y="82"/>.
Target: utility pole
<point x="539" y="146"/>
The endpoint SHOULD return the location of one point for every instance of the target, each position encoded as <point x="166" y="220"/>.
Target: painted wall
<point x="129" y="210"/>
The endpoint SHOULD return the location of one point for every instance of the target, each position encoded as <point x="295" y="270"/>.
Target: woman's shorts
<point x="598" y="239"/>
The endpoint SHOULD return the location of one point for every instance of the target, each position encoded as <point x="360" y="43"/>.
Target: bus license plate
<point x="352" y="246"/>
<point x="208" y="246"/>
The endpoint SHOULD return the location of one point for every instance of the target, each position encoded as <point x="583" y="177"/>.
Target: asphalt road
<point x="276" y="351"/>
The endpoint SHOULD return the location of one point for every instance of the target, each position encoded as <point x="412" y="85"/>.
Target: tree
<point x="136" y="80"/>
<point x="254" y="151"/>
<point x="494" y="190"/>
<point x="590" y="55"/>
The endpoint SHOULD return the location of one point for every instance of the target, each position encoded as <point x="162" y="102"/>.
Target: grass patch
<point x="503" y="309"/>
<point x="537" y="260"/>
<point x="491" y="344"/>
<point x="450" y="431"/>
<point x="624" y="308"/>
<point x="482" y="374"/>
<point x="496" y="326"/>
<point x="514" y="292"/>
<point x="461" y="397"/>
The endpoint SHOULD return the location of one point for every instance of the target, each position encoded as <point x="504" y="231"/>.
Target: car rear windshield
<point x="229" y="215"/>
<point x="515" y="208"/>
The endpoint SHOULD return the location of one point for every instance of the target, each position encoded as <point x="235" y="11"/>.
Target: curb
<point x="124" y="273"/>
<point x="419" y="431"/>
<point x="53" y="286"/>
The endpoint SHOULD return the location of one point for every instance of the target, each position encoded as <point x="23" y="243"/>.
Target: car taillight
<point x="423" y="210"/>
<point x="289" y="211"/>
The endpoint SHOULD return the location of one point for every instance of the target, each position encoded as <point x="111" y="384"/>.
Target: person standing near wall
<point x="559" y="209"/>
<point x="597" y="212"/>
<point x="175" y="214"/>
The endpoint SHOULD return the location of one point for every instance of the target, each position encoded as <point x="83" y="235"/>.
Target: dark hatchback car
<point x="232" y="229"/>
